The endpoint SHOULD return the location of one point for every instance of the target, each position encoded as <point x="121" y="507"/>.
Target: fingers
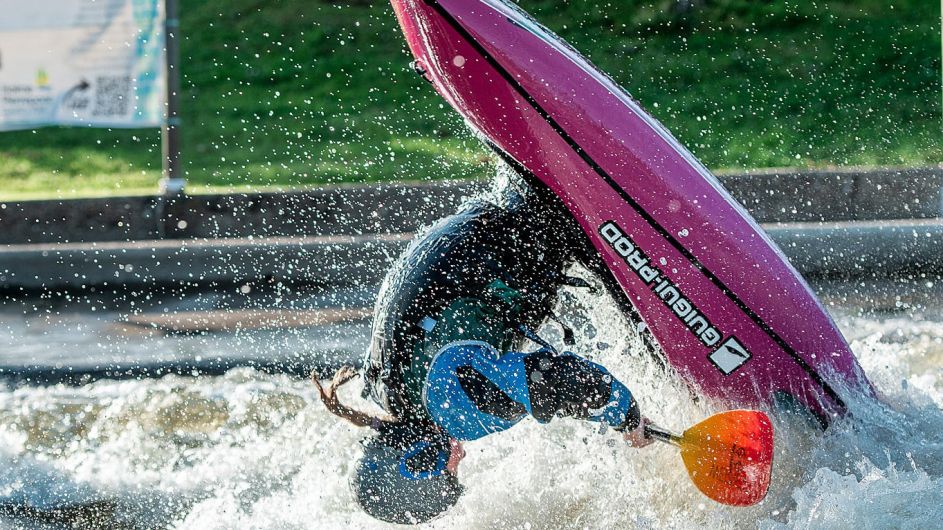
<point x="342" y="376"/>
<point x="325" y="394"/>
<point x="317" y="383"/>
<point x="644" y="422"/>
<point x="635" y="441"/>
<point x="638" y="437"/>
<point x="345" y="374"/>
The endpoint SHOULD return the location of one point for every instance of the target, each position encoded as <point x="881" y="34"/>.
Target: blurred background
<point x="294" y="93"/>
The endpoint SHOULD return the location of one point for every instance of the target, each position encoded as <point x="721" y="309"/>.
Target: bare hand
<point x="334" y="406"/>
<point x="329" y="394"/>
<point x="637" y="437"/>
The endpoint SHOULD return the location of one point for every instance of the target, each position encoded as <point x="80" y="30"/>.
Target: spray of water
<point x="251" y="450"/>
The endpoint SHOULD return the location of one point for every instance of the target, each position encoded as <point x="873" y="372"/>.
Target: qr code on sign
<point x="111" y="95"/>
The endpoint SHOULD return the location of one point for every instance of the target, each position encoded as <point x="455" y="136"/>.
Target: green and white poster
<point x="95" y="63"/>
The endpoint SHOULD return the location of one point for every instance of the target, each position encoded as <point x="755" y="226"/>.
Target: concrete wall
<point x="778" y="196"/>
<point x="323" y="260"/>
<point x="771" y="196"/>
<point x="830" y="224"/>
<point x="332" y="210"/>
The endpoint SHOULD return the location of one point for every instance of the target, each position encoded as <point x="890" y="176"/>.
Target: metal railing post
<point x="172" y="181"/>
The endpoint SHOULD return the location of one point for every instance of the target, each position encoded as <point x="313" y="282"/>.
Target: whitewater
<point x="248" y="449"/>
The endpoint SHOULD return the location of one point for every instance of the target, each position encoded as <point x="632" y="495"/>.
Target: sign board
<point x="81" y="62"/>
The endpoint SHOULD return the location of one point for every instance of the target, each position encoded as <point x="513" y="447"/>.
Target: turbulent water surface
<point x="252" y="450"/>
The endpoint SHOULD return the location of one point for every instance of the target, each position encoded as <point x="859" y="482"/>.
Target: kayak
<point x="729" y="313"/>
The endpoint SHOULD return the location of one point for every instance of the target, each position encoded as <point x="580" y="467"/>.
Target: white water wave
<point x="250" y="450"/>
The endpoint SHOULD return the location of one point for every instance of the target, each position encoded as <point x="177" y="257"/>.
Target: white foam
<point x="249" y="450"/>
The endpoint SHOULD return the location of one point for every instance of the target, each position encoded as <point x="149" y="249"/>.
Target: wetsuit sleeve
<point x="568" y="385"/>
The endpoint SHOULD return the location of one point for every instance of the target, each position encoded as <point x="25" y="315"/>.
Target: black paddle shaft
<point x="657" y="433"/>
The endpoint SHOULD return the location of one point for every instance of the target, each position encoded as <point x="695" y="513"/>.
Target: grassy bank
<point x="303" y="92"/>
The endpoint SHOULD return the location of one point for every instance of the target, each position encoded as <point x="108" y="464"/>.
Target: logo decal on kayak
<point x="730" y="356"/>
<point x="669" y="293"/>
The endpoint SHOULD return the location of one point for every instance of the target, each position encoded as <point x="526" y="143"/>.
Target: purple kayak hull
<point x="730" y="313"/>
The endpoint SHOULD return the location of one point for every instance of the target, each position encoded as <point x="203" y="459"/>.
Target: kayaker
<point x="445" y="365"/>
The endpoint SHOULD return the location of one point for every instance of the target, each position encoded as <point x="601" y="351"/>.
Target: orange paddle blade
<point x="730" y="456"/>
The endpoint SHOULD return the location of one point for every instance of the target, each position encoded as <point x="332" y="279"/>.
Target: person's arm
<point x="568" y="385"/>
<point x="334" y="406"/>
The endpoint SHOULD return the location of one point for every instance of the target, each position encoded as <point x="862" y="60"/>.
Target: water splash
<point x="248" y="449"/>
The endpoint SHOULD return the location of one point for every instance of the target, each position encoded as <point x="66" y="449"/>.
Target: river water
<point x="249" y="449"/>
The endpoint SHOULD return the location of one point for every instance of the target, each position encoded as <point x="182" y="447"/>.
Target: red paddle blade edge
<point x="729" y="456"/>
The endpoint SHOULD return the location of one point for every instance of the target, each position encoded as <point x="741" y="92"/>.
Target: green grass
<point x="303" y="92"/>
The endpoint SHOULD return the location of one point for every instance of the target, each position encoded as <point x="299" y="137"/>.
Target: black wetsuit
<point x="504" y="263"/>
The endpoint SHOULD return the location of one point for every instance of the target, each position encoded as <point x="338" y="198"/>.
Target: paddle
<point x="729" y="456"/>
